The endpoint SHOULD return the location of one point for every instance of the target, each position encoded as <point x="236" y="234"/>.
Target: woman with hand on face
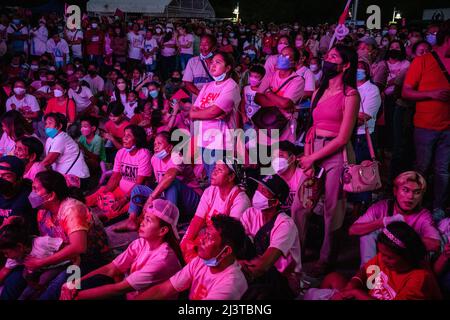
<point x="14" y="126"/>
<point x="131" y="167"/>
<point x="335" y="108"/>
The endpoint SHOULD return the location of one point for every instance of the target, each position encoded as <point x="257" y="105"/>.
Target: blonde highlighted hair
<point x="411" y="176"/>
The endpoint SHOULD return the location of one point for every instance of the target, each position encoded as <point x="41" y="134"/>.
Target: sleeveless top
<point x="329" y="112"/>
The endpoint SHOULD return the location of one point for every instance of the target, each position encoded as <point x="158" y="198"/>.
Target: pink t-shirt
<point x="145" y="267"/>
<point x="270" y="66"/>
<point x="226" y="96"/>
<point x="230" y="284"/>
<point x="183" y="40"/>
<point x="185" y="171"/>
<point x="130" y="167"/>
<point x="293" y="90"/>
<point x="212" y="204"/>
<point x="294" y="184"/>
<point x="283" y="236"/>
<point x="34" y="170"/>
<point x="169" y="52"/>
<point x="421" y="222"/>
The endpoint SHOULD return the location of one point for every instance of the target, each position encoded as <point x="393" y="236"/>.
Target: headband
<point x="393" y="238"/>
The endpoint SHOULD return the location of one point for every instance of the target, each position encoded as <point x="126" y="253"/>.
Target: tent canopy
<point x="157" y="8"/>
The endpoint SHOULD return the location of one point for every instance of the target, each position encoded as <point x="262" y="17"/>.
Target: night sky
<point x="312" y="11"/>
<point x="319" y="11"/>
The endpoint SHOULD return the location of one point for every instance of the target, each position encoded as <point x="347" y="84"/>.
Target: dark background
<point x="304" y="11"/>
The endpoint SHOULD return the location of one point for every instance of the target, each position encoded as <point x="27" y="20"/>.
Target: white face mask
<point x="19" y="91"/>
<point x="280" y="165"/>
<point x="58" y="93"/>
<point x="260" y="201"/>
<point x="313" y="67"/>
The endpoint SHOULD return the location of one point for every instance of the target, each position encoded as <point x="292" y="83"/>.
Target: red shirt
<point x="117" y="131"/>
<point x="95" y="40"/>
<point x="424" y="74"/>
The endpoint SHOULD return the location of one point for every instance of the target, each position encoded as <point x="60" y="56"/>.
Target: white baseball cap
<point x="166" y="211"/>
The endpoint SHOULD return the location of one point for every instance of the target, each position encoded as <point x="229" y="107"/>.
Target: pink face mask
<point x="85" y="131"/>
<point x="254" y="82"/>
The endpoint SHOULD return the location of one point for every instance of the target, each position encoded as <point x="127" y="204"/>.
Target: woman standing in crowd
<point x="335" y="108"/>
<point x="61" y="103"/>
<point x="215" y="111"/>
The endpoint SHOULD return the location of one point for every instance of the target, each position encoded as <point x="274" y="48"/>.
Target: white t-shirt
<point x="395" y="69"/>
<point x="370" y="104"/>
<point x="96" y="84"/>
<point x="310" y="81"/>
<point x="230" y="284"/>
<point x="183" y="40"/>
<point x="28" y="104"/>
<point x="169" y="51"/>
<point x="135" y="46"/>
<point x="149" y="46"/>
<point x="68" y="150"/>
<point x="211" y="134"/>
<point x="249" y="97"/>
<point x="145" y="267"/>
<point x="39" y="42"/>
<point x="196" y="74"/>
<point x="42" y="247"/>
<point x="7" y="145"/>
<point x="283" y="236"/>
<point x="129" y="108"/>
<point x="73" y="36"/>
<point x="58" y="49"/>
<point x="82" y="99"/>
<point x="212" y="204"/>
<point x="294" y="184"/>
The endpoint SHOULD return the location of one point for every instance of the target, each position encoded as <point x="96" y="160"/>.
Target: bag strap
<point x="206" y="70"/>
<point x="285" y="83"/>
<point x="390" y="211"/>
<point x="76" y="159"/>
<point x="231" y="201"/>
<point x="262" y="237"/>
<point x="441" y="65"/>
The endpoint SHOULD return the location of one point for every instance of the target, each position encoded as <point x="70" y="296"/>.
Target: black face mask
<point x="176" y="79"/>
<point x="92" y="73"/>
<point x="6" y="187"/>
<point x="330" y="69"/>
<point x="395" y="54"/>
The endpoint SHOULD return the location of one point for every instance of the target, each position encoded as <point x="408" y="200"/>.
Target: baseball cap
<point x="16" y="165"/>
<point x="166" y="211"/>
<point x="276" y="185"/>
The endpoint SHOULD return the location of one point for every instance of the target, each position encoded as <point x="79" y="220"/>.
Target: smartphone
<point x="318" y="172"/>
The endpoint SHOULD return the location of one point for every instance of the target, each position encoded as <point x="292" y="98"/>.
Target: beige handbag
<point x="365" y="176"/>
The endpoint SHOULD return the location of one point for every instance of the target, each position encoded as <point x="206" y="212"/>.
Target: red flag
<point x="119" y="13"/>
<point x="344" y="15"/>
<point x="180" y="94"/>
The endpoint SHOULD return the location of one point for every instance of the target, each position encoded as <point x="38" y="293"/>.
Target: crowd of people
<point x="92" y="119"/>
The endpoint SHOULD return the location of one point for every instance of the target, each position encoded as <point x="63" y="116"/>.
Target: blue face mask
<point x="221" y="77"/>
<point x="283" y="63"/>
<point x="130" y="149"/>
<point x="16" y="22"/>
<point x="154" y="94"/>
<point x="361" y="75"/>
<point x="213" y="262"/>
<point x="431" y="39"/>
<point x="209" y="55"/>
<point x="162" y="154"/>
<point x="51" y="132"/>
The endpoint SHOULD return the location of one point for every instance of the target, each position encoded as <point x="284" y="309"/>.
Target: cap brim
<point x="263" y="184"/>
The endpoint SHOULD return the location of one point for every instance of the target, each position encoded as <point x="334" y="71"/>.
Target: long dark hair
<point x="53" y="181"/>
<point x="17" y="124"/>
<point x="172" y="241"/>
<point x="139" y="135"/>
<point x="348" y="55"/>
